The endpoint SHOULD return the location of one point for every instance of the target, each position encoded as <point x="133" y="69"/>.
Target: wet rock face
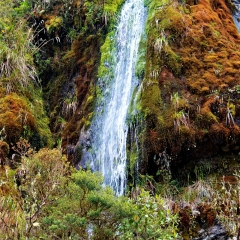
<point x="216" y="232"/>
<point x="82" y="153"/>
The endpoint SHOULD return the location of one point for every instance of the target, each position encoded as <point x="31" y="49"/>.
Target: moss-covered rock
<point x="192" y="50"/>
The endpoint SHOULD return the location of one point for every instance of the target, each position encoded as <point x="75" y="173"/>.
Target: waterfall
<point x="106" y="151"/>
<point x="236" y="14"/>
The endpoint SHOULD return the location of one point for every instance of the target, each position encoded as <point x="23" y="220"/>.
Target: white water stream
<point x="236" y="15"/>
<point x="109" y="130"/>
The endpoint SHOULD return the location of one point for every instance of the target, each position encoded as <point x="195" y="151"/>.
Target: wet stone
<point x="216" y="232"/>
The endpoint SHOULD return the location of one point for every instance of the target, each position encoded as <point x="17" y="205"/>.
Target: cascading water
<point x="108" y="132"/>
<point x="236" y="14"/>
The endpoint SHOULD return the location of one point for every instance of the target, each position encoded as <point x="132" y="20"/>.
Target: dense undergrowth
<point x="45" y="198"/>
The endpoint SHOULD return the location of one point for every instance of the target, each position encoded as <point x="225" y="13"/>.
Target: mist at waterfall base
<point x="103" y="146"/>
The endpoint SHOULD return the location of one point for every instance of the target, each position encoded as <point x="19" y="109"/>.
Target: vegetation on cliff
<point x="69" y="64"/>
<point x="188" y="109"/>
<point x="21" y="107"/>
<point x="190" y="101"/>
<point x="191" y="82"/>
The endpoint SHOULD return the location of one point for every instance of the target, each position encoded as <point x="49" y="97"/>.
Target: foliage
<point x="107" y="56"/>
<point x="110" y="11"/>
<point x="45" y="177"/>
<point x="209" y="201"/>
<point x="54" y="23"/>
<point x="151" y="219"/>
<point x="39" y="180"/>
<point x="87" y="207"/>
<point x="21" y="105"/>
<point x="225" y="201"/>
<point x="50" y="199"/>
<point x="16" y="56"/>
<point x="189" y="76"/>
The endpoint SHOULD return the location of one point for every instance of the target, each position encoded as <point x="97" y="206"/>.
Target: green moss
<point x="89" y="102"/>
<point x="163" y="15"/>
<point x="42" y="121"/>
<point x="55" y="22"/>
<point x="173" y="61"/>
<point x="131" y="107"/>
<point x="107" y="56"/>
<point x="151" y="99"/>
<point x="87" y="124"/>
<point x="113" y="5"/>
<point x="232" y="108"/>
<point x="154" y="5"/>
<point x="89" y="119"/>
<point x="141" y="61"/>
<point x="132" y="161"/>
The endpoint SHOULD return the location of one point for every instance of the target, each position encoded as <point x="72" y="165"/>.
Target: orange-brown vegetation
<point x="199" y="60"/>
<point x="207" y="214"/>
<point x="84" y="52"/>
<point x="4" y="150"/>
<point x="229" y="179"/>
<point x="76" y="31"/>
<point x="15" y="117"/>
